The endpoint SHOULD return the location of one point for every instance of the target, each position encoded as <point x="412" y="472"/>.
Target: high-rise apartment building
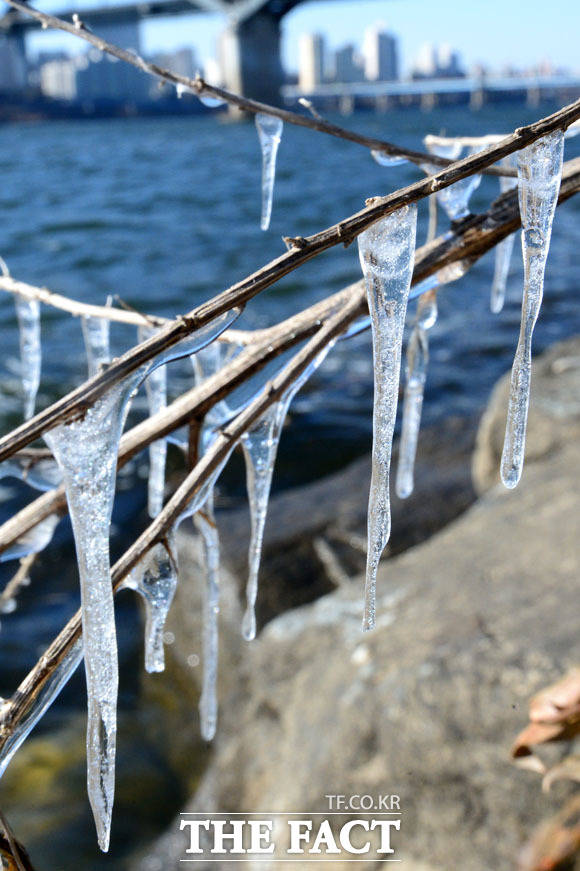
<point x="380" y="55"/>
<point x="310" y="61"/>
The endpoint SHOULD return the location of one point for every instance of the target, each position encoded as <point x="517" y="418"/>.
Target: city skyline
<point x="475" y="33"/>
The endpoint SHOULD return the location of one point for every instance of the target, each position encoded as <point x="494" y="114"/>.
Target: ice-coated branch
<point x="19" y="707"/>
<point x="301" y="250"/>
<point x="465" y="243"/>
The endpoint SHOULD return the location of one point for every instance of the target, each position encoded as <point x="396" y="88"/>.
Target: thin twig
<point x="344" y="232"/>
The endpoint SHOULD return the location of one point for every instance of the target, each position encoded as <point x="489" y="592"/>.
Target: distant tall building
<point x="180" y="62"/>
<point x="310" y="61"/>
<point x="58" y="79"/>
<point x="380" y="54"/>
<point x="437" y="62"/>
<point x="345" y="66"/>
<point x="100" y="77"/>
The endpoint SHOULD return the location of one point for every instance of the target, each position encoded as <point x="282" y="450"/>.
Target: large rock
<point x="470" y="624"/>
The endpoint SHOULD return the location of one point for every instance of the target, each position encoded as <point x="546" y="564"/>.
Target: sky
<point x="496" y="32"/>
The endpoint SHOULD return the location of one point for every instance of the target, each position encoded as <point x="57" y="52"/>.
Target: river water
<point x="165" y="213"/>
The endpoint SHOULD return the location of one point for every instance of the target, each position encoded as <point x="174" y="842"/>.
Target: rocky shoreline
<point x="477" y="610"/>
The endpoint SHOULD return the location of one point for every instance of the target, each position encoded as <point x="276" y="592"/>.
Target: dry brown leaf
<point x="555" y="843"/>
<point x="559" y="702"/>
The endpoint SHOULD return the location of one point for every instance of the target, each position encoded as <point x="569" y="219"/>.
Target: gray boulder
<point x="470" y="624"/>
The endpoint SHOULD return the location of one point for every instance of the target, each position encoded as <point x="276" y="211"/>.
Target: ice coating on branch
<point x="86" y="451"/>
<point x="41" y="474"/>
<point x="96" y="333"/>
<point x="156" y="389"/>
<point x="270" y="134"/>
<point x="33" y="541"/>
<point x="386" y="252"/>
<point x="503" y="251"/>
<point x="28" y="314"/>
<point x="206" y="526"/>
<point x="455" y="198"/>
<point x="210" y="101"/>
<point x="260" y="446"/>
<point x="416" y="375"/>
<point x="155" y="579"/>
<point x="41" y="703"/>
<point x="384" y="159"/>
<point x="539" y="175"/>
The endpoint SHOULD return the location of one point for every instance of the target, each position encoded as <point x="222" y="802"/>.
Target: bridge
<point x="251" y="39"/>
<point x="427" y="93"/>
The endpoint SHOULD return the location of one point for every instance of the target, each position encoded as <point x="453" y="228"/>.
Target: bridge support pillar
<point x="250" y="58"/>
<point x="533" y="97"/>
<point x="429" y="102"/>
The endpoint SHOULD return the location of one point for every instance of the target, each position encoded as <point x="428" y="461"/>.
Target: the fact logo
<point x="299" y="836"/>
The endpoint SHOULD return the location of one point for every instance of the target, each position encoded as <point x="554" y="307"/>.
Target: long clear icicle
<point x="539" y="176"/>
<point x="86" y="451"/>
<point x="156" y="389"/>
<point x="270" y="134"/>
<point x="386" y="252"/>
<point x="206" y="526"/>
<point x="503" y="251"/>
<point x="28" y="314"/>
<point x="416" y="375"/>
<point x="260" y="447"/>
<point x="96" y="333"/>
<point x="155" y="579"/>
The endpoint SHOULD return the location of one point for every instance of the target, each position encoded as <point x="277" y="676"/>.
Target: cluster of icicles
<point x="85" y="451"/>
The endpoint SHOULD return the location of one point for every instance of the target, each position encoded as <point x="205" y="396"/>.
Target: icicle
<point x="503" y="251"/>
<point x="270" y="133"/>
<point x="386" y="252"/>
<point x="388" y="159"/>
<point x="156" y="388"/>
<point x="86" y="451"/>
<point x="33" y="541"/>
<point x="96" y="335"/>
<point x="40" y="474"/>
<point x="260" y="446"/>
<point x="455" y="198"/>
<point x="28" y="313"/>
<point x="155" y="579"/>
<point x="416" y="374"/>
<point x="539" y="175"/>
<point x="205" y="523"/>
